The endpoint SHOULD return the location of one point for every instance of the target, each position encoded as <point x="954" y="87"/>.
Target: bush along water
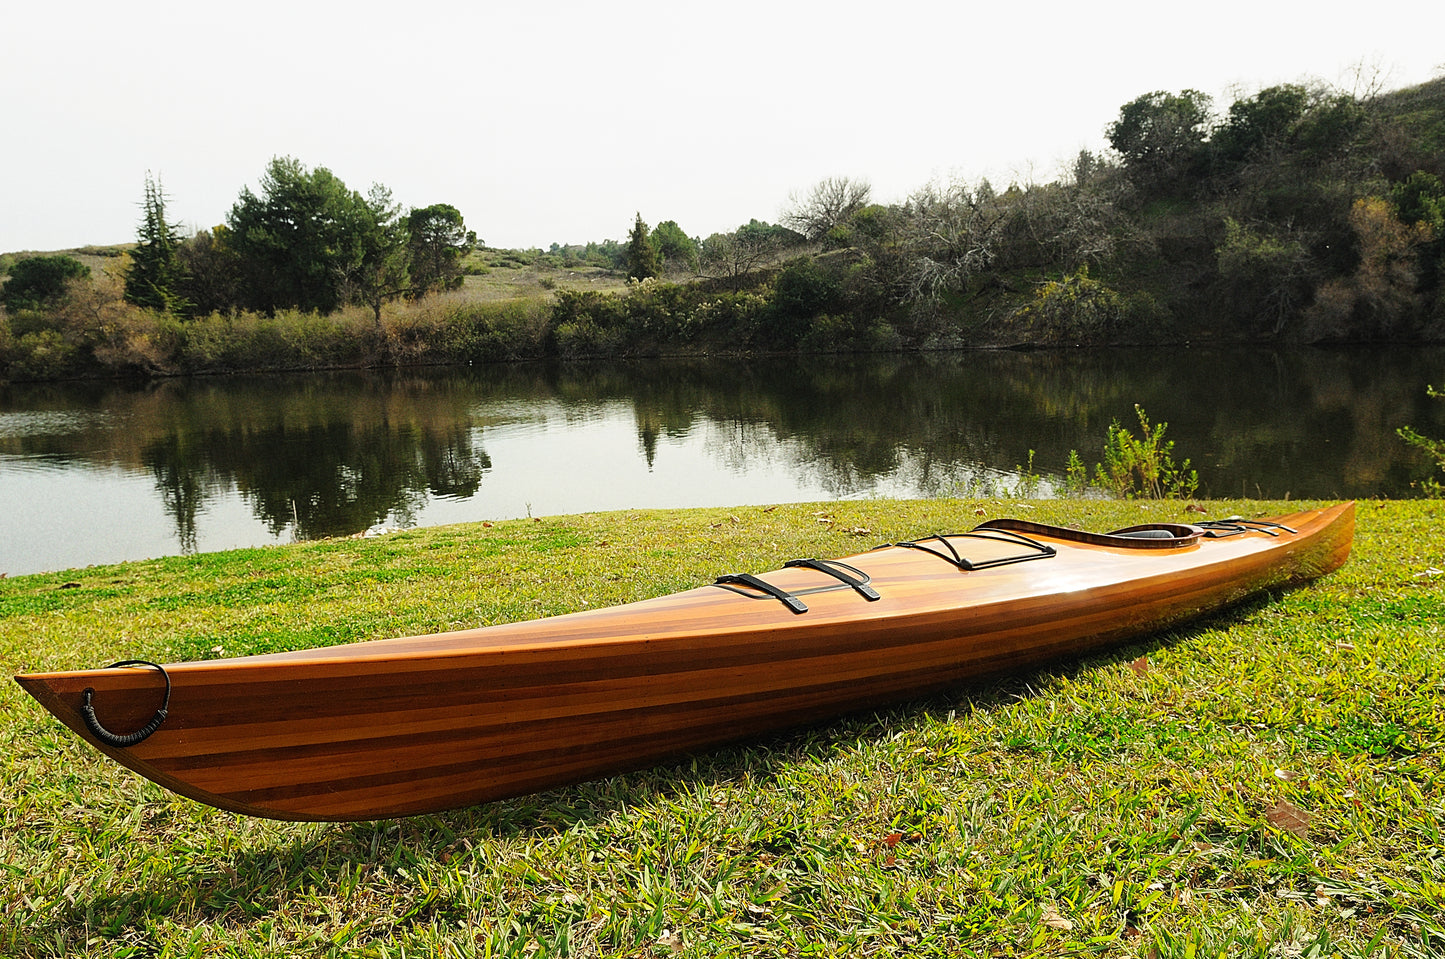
<point x="1433" y="448"/>
<point x="91" y="330"/>
<point x="1134" y="467"/>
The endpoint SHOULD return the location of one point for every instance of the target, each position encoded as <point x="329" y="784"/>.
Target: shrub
<point x="1264" y="277"/>
<point x="288" y="340"/>
<point x="582" y="338"/>
<point x="1073" y="309"/>
<point x="732" y="319"/>
<point x="1134" y="467"/>
<point x="1435" y="449"/>
<point x="350" y="337"/>
<point x="650" y="315"/>
<point x="803" y="290"/>
<point x="884" y="337"/>
<point x="1141" y="466"/>
<point x="43" y="355"/>
<point x="1380" y="299"/>
<point x="830" y="334"/>
<point x="655" y="313"/>
<point x="38" y="281"/>
<point x="1076" y="475"/>
<point x="141" y="341"/>
<point x="415" y="337"/>
<point x="503" y="330"/>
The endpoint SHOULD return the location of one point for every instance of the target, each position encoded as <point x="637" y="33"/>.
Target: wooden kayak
<point x="426" y="723"/>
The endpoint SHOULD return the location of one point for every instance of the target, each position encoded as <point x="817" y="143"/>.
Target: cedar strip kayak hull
<point x="422" y="724"/>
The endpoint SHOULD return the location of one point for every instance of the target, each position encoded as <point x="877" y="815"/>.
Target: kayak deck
<point x="420" y="724"/>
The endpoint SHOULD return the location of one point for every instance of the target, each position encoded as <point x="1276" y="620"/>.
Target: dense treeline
<point x="1302" y="214"/>
<point x="1299" y="214"/>
<point x="305" y="242"/>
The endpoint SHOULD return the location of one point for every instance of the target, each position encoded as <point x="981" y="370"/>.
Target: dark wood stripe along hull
<point x="421" y="724"/>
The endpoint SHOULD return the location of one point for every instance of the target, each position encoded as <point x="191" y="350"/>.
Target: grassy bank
<point x="1267" y="782"/>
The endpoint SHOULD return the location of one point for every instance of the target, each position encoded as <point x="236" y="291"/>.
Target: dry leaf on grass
<point x="1054" y="920"/>
<point x="1287" y="816"/>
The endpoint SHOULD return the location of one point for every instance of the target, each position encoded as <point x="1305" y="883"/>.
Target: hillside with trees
<point x="1296" y="214"/>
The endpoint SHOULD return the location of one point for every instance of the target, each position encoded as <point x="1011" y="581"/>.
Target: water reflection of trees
<point x="321" y="455"/>
<point x="319" y="479"/>
<point x="333" y="455"/>
<point x="1308" y="423"/>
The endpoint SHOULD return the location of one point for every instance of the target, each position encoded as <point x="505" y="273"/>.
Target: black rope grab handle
<point x="87" y="711"/>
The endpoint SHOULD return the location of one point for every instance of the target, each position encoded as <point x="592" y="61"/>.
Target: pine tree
<point x="153" y="278"/>
<point x="438" y="241"/>
<point x="641" y="254"/>
<point x="377" y="269"/>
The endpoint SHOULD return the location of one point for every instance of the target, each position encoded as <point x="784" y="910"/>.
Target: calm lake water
<point x="97" y="473"/>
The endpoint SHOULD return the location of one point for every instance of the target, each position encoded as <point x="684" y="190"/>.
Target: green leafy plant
<point x="1142" y="466"/>
<point x="1076" y="475"/>
<point x="1435" y="448"/>
<point x="1073" y="309"/>
<point x="1029" y="479"/>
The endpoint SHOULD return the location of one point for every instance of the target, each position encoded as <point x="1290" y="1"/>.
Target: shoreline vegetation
<point x="1298" y="214"/>
<point x="1264" y="782"/>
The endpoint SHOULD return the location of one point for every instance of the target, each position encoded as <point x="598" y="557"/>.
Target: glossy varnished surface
<point x="419" y="724"/>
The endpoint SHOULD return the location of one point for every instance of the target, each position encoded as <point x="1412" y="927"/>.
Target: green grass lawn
<point x="1267" y="782"/>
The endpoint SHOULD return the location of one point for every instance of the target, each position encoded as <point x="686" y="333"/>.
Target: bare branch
<point x="830" y="203"/>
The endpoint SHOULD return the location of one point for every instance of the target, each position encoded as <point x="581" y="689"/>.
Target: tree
<point x="1380" y="298"/>
<point x="734" y="255"/>
<point x="438" y="241"/>
<point x="374" y="268"/>
<point x="674" y="246"/>
<point x="210" y="271"/>
<point x="154" y="278"/>
<point x="1421" y="201"/>
<point x="952" y="234"/>
<point x="1304" y="124"/>
<point x="829" y="205"/>
<point x="641" y="254"/>
<point x="1260" y="122"/>
<point x="1160" y="133"/>
<point x="292" y="238"/>
<point x="37" y="282"/>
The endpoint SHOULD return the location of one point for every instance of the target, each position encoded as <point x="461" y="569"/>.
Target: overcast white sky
<point x="557" y="121"/>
